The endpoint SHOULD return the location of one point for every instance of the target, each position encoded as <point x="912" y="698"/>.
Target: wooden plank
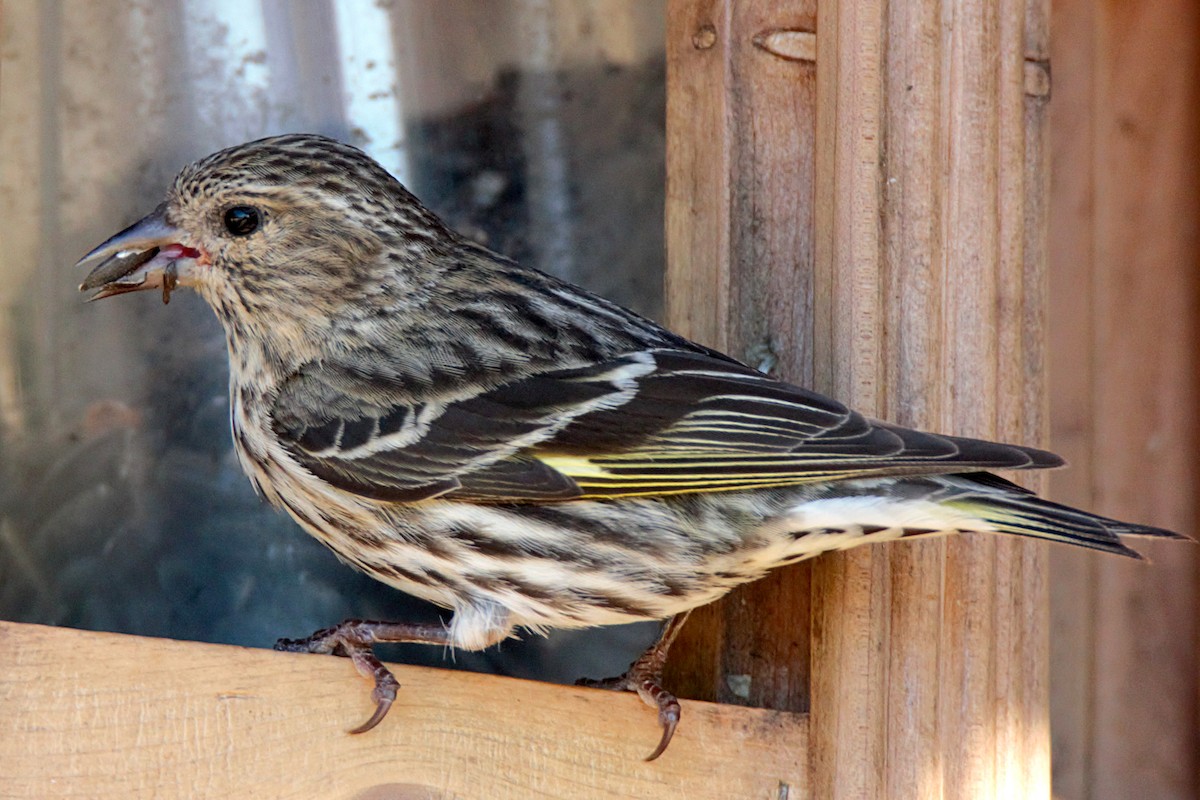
<point x="1147" y="338"/>
<point x="96" y="715"/>
<point x="1125" y="360"/>
<point x="930" y="287"/>
<point x="924" y="303"/>
<point x="852" y="599"/>
<point x="1025" y="752"/>
<point x="740" y="151"/>
<point x="697" y="269"/>
<point x="1072" y="273"/>
<point x="911" y="267"/>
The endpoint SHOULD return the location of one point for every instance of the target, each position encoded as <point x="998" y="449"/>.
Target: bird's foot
<point x="648" y="687"/>
<point x="644" y="676"/>
<point x="354" y="639"/>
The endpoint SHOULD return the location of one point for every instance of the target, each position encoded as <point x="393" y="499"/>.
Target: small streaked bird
<point x="511" y="447"/>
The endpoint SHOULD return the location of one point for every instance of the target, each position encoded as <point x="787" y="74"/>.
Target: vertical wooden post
<point x="915" y="154"/>
<point x="740" y="93"/>
<point x="1125" y="290"/>
<point x="931" y="231"/>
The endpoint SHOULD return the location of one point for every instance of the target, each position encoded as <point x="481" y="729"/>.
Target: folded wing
<point x="648" y="423"/>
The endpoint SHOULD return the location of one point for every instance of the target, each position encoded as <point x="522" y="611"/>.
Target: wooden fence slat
<point x="98" y="715"/>
<point x="918" y="293"/>
<point x="852" y="605"/>
<point x="1073" y="260"/>
<point x="740" y="162"/>
<point x="1148" y="742"/>
<point x="1125" y="335"/>
<point x="930" y="287"/>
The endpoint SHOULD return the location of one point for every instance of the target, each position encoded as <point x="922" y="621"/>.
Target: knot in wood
<point x="705" y="37"/>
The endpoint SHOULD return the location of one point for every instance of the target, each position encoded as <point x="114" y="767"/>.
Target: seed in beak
<point x="117" y="267"/>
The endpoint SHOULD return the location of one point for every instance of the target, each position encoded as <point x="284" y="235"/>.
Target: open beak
<point x="146" y="255"/>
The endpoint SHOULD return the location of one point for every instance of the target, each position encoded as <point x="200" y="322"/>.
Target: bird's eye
<point x="242" y="220"/>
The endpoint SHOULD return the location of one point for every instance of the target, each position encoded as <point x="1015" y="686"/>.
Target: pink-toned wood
<point x="1125" y="336"/>
<point x="1072" y="260"/>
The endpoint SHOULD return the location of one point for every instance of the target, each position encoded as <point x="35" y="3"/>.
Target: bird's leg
<point x="644" y="676"/>
<point x="354" y="639"/>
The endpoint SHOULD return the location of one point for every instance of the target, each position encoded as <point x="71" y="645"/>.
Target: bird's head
<point x="272" y="232"/>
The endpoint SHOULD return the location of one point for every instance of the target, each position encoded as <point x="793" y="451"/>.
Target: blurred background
<point x="532" y="126"/>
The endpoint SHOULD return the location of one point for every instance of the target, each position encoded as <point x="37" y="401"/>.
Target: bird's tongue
<point x="180" y="251"/>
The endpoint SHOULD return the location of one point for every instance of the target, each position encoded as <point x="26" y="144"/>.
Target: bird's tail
<point x="1013" y="509"/>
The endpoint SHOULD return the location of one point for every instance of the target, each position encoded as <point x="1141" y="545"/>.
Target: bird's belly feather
<point x="575" y="564"/>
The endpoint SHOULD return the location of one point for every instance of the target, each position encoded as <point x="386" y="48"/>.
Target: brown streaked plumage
<point x="509" y="446"/>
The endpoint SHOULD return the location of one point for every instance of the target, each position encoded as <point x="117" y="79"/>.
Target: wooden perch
<point x="101" y="715"/>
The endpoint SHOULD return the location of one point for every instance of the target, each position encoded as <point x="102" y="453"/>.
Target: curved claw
<point x="384" y="704"/>
<point x="384" y="693"/>
<point x="668" y="725"/>
<point x="353" y="638"/>
<point x="668" y="717"/>
<point x="644" y="676"/>
<point x="669" y="710"/>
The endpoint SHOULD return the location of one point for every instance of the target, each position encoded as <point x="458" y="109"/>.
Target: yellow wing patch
<point x="575" y="466"/>
<point x="642" y="475"/>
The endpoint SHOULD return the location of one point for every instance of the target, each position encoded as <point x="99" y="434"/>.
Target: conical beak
<point x="146" y="255"/>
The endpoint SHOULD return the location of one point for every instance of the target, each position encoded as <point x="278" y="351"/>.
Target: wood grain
<point x="1125" y="337"/>
<point x="739" y="273"/>
<point x="917" y="294"/>
<point x="1147" y="340"/>
<point x="1073" y="266"/>
<point x="851" y="592"/>
<point x="929" y="661"/>
<point x="96" y="715"/>
<point x="913" y="226"/>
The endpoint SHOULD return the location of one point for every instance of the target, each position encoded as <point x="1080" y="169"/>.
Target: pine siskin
<point x="509" y="446"/>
